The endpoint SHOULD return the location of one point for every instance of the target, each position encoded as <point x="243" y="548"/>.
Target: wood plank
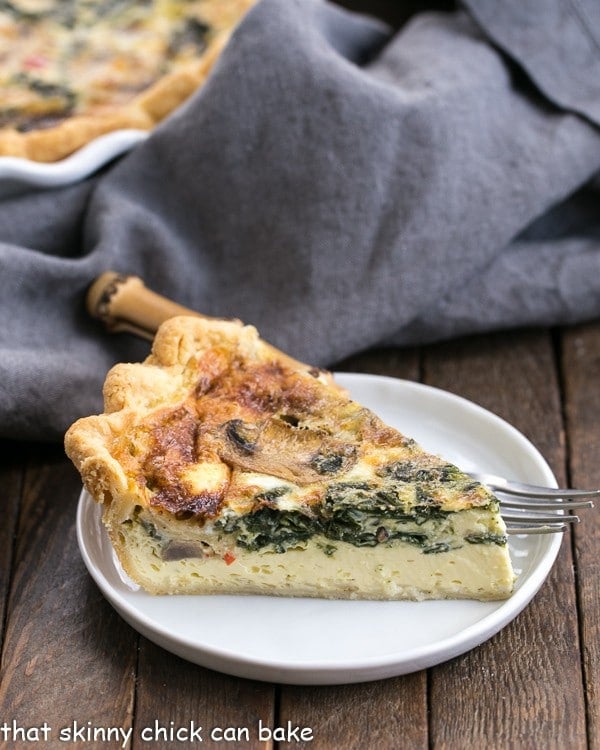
<point x="395" y="363"/>
<point x="173" y="693"/>
<point x="384" y="714"/>
<point x="523" y="688"/>
<point x="389" y="713"/>
<point x="67" y="656"/>
<point x="11" y="477"/>
<point x="512" y="375"/>
<point x="581" y="375"/>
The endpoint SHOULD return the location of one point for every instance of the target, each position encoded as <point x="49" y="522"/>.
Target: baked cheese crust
<point x="71" y="71"/>
<point x="224" y="469"/>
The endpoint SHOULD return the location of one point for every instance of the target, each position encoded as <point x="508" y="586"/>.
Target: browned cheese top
<point x="243" y="419"/>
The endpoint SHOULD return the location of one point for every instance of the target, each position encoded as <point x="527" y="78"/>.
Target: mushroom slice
<point x="274" y="446"/>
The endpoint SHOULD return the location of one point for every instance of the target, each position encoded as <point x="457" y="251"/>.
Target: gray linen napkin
<point x="334" y="185"/>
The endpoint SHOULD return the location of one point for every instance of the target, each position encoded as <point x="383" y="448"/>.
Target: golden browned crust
<point x="143" y="112"/>
<point x="133" y="391"/>
<point x="69" y="136"/>
<point x="151" y="409"/>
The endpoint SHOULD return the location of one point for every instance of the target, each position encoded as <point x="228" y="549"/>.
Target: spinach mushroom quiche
<point x="223" y="468"/>
<point x="71" y="70"/>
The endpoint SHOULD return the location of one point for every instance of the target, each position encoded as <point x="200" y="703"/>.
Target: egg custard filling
<point x="222" y="468"/>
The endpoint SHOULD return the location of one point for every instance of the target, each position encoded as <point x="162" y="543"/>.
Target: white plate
<point x="20" y="175"/>
<point x="314" y="641"/>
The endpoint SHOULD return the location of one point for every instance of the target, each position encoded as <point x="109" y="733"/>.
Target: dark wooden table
<point x="66" y="655"/>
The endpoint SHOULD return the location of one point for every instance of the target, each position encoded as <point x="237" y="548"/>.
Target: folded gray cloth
<point x="337" y="186"/>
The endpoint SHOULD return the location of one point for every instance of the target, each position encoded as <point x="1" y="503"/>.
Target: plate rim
<point x="330" y="672"/>
<point x="20" y="173"/>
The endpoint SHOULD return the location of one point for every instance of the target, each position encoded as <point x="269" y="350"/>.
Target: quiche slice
<point x="223" y="468"/>
<point x="72" y="70"/>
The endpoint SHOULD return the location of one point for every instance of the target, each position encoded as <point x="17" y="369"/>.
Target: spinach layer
<point x="356" y="513"/>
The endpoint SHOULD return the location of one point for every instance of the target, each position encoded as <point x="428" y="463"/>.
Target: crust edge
<point x="132" y="390"/>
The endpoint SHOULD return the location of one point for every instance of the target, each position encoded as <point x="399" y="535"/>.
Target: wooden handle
<point x="125" y="304"/>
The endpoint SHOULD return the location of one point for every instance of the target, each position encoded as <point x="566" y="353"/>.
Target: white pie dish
<point x="314" y="641"/>
<point x="19" y="175"/>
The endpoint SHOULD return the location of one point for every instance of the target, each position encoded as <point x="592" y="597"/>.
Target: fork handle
<point x="125" y="304"/>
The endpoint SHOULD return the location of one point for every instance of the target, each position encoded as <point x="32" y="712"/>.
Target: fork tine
<point x="537" y="518"/>
<point x="552" y="529"/>
<point x="539" y="504"/>
<point x="520" y="489"/>
<point x="522" y="523"/>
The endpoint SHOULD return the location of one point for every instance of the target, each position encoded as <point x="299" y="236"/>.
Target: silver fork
<point x="516" y="497"/>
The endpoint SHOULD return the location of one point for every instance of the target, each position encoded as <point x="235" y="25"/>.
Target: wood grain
<point x="581" y="375"/>
<point x="384" y="714"/>
<point x="11" y="477"/>
<point x="511" y="692"/>
<point x="67" y="656"/>
<point x="174" y="693"/>
<point x="395" y="363"/>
